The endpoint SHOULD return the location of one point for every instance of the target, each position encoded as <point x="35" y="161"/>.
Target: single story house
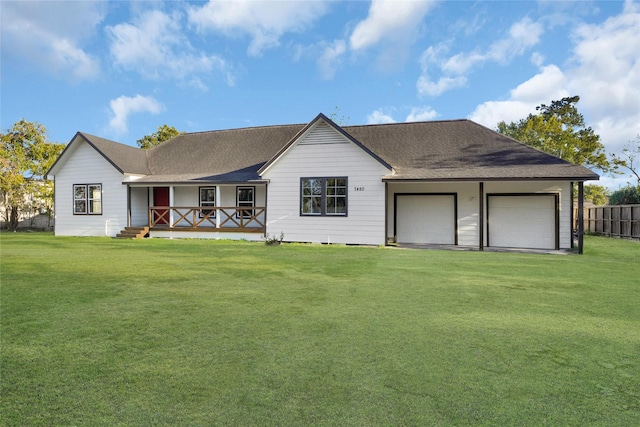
<point x="451" y="182"/>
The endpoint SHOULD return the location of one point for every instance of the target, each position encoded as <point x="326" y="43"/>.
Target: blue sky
<point x="121" y="69"/>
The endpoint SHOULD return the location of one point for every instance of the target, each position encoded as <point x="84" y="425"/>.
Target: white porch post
<point x="218" y="203"/>
<point x="170" y="206"/>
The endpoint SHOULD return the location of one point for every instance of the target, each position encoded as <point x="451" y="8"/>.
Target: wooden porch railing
<point x="247" y="219"/>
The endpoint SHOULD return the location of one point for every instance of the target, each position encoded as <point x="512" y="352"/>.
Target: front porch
<point x="207" y="211"/>
<point x="217" y="219"/>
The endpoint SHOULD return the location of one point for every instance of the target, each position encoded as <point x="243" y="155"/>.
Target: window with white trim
<point x="87" y="199"/>
<point x="323" y="196"/>
<point x="207" y="198"/>
<point x="245" y="196"/>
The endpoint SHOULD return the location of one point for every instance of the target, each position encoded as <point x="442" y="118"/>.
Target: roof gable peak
<point x="313" y="124"/>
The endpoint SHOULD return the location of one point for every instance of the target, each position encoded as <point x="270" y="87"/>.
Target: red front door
<point x="161" y="198"/>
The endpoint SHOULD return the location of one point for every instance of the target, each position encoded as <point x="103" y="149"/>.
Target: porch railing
<point x="247" y="219"/>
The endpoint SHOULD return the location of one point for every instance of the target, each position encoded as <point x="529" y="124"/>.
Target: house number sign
<point x="358" y="188"/>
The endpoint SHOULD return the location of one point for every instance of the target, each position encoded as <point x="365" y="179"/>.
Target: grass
<point x="103" y="332"/>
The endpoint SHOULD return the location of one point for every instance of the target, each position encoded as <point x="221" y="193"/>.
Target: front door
<point x="161" y="198"/>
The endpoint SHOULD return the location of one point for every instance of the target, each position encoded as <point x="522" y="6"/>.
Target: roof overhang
<point x="191" y="182"/>
<point x="485" y="179"/>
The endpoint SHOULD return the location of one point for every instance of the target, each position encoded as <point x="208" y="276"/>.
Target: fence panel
<point x="613" y="221"/>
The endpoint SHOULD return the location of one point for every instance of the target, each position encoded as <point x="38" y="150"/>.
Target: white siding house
<point x="444" y="183"/>
<point x="323" y="152"/>
<point x="84" y="166"/>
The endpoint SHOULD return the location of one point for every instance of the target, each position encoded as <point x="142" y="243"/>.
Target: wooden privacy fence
<point x="613" y="221"/>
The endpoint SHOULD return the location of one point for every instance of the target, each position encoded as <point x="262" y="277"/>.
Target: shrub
<point x="628" y="195"/>
<point x="273" y="240"/>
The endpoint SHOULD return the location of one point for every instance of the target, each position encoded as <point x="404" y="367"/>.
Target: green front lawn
<point x="97" y="331"/>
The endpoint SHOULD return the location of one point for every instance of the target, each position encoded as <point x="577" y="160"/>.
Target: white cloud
<point x="51" y="34"/>
<point x="604" y="71"/>
<point x="416" y="114"/>
<point x="123" y="106"/>
<point x="391" y="26"/>
<point x="154" y="46"/>
<point x="389" y="20"/>
<point x="264" y="21"/>
<point x="522" y="35"/>
<point x="434" y="88"/>
<point x="550" y="84"/>
<point x="330" y="58"/>
<point x="430" y="59"/>
<point x="421" y="114"/>
<point x="379" y="117"/>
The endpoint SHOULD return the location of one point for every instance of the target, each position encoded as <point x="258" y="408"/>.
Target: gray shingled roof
<point x="438" y="150"/>
<point x="460" y="150"/>
<point x="218" y="156"/>
<point x="125" y="158"/>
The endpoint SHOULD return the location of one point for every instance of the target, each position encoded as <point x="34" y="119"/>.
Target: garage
<point x="426" y="219"/>
<point x="522" y="221"/>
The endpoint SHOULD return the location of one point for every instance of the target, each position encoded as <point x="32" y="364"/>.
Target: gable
<point x="321" y="131"/>
<point x="82" y="163"/>
<point x="124" y="158"/>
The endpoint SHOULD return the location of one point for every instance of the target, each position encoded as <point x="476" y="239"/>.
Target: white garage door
<point x="522" y="221"/>
<point x="425" y="219"/>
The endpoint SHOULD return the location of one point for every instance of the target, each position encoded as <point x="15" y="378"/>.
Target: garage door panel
<point x="525" y="221"/>
<point x="426" y="219"/>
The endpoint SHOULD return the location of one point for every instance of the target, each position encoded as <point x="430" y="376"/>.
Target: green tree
<point x="559" y="129"/>
<point x="629" y="195"/>
<point x="164" y="133"/>
<point x="340" y="121"/>
<point x="596" y="194"/>
<point x="25" y="156"/>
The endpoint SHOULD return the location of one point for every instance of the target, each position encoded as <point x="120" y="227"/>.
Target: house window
<point x="87" y="199"/>
<point x="245" y="197"/>
<point x="323" y="196"/>
<point x="207" y="198"/>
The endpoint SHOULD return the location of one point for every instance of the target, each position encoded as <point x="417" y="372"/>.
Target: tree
<point x="340" y="121"/>
<point x="628" y="158"/>
<point x="559" y="129"/>
<point x="596" y="194"/>
<point x="629" y="195"/>
<point x="164" y="133"/>
<point x="25" y="156"/>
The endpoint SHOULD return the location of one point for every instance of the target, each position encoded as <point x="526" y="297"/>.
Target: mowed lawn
<point x="104" y="332"/>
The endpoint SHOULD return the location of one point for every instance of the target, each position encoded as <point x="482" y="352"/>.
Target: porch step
<point x="133" y="233"/>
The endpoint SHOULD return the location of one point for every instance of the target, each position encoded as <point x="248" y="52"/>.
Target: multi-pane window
<point x="207" y="198"/>
<point x="246" y="197"/>
<point x="323" y="196"/>
<point x="87" y="199"/>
